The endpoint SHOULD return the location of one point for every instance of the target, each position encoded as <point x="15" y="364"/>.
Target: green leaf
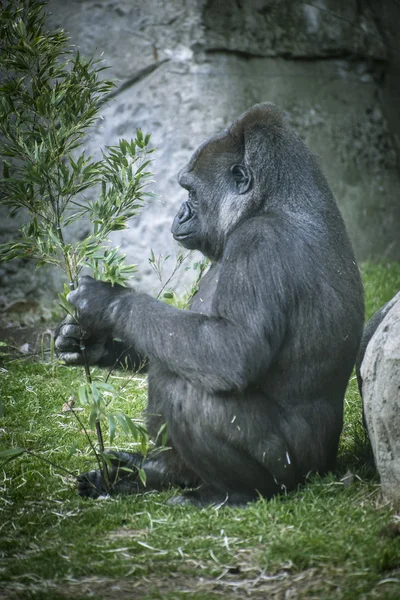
<point x="94" y="416"/>
<point x="12" y="453"/>
<point x="103" y="385"/>
<point x="162" y="434"/>
<point x="112" y="427"/>
<point x="144" y="445"/>
<point x="121" y="420"/>
<point x="67" y="306"/>
<point x="72" y="451"/>
<point x="96" y="396"/>
<point x="83" y="394"/>
<point x="142" y="476"/>
<point x="21" y="28"/>
<point x="132" y="427"/>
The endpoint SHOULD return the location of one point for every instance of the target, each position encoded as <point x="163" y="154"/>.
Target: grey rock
<point x="380" y="371"/>
<point x="25" y="348"/>
<point x="293" y="29"/>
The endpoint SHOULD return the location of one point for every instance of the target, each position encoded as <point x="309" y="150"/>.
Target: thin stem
<point x="116" y="361"/>
<point x="178" y="264"/>
<point x="49" y="462"/>
<point x="82" y="348"/>
<point x="100" y="460"/>
<point x="100" y="436"/>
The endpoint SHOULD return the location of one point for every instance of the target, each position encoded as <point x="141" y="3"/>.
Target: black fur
<point x="251" y="380"/>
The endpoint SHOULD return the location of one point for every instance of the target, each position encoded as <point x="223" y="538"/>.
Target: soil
<point x="25" y="339"/>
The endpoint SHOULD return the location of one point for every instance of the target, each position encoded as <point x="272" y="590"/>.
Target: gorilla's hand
<point x="67" y="342"/>
<point x="97" y="304"/>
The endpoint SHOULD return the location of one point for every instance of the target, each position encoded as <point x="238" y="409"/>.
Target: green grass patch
<point x="381" y="283"/>
<point x="329" y="539"/>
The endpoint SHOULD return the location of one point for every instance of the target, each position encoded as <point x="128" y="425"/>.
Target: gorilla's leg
<point x="236" y="459"/>
<point x="235" y="494"/>
<point x="207" y="495"/>
<point x="231" y="477"/>
<point x="162" y="472"/>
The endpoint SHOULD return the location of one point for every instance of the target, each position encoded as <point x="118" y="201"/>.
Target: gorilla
<point x="251" y="380"/>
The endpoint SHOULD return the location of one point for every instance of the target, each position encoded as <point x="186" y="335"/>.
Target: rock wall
<point x="186" y="69"/>
<point x="380" y="372"/>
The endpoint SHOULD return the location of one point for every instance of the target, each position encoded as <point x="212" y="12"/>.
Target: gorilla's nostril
<point x="185" y="213"/>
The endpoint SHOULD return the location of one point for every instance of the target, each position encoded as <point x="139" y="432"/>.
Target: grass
<point x="330" y="539"/>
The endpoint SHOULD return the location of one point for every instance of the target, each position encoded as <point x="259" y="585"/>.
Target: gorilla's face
<point x="186" y="226"/>
<point x="219" y="187"/>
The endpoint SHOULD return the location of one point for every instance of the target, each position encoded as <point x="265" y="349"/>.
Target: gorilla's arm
<point x="118" y="354"/>
<point x="224" y="351"/>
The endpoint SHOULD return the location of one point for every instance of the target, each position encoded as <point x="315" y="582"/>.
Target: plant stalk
<point x="100" y="460"/>
<point x="72" y="277"/>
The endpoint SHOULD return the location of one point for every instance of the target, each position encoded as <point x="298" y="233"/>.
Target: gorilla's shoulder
<point x="268" y="232"/>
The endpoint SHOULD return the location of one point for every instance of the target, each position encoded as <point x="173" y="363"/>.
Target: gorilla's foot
<point x="122" y="475"/>
<point x="207" y="495"/>
<point x="91" y="485"/>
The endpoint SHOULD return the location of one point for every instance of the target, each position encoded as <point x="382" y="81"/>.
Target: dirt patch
<point x="25" y="340"/>
<point x="260" y="586"/>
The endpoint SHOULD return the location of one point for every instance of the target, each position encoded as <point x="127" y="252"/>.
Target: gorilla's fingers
<point x="70" y="330"/>
<point x="71" y="358"/>
<point x="67" y="344"/>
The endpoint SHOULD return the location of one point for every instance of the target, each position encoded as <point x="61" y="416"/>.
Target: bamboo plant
<point x="50" y="99"/>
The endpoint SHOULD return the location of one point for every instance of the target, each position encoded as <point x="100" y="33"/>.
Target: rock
<point x="20" y="306"/>
<point x="25" y="348"/>
<point x="380" y="372"/>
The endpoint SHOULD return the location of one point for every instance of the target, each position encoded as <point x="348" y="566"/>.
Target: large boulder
<point x="380" y="373"/>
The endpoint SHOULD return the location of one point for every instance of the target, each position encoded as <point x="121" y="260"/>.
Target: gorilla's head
<point x="231" y="177"/>
<point x="214" y="178"/>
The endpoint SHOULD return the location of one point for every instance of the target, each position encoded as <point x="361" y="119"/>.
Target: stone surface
<point x="293" y="29"/>
<point x="186" y="70"/>
<point x="380" y="372"/>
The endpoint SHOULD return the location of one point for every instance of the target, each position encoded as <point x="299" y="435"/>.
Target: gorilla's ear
<point x="242" y="178"/>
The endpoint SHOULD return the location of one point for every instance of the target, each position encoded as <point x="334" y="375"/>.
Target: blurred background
<point x="185" y="69"/>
